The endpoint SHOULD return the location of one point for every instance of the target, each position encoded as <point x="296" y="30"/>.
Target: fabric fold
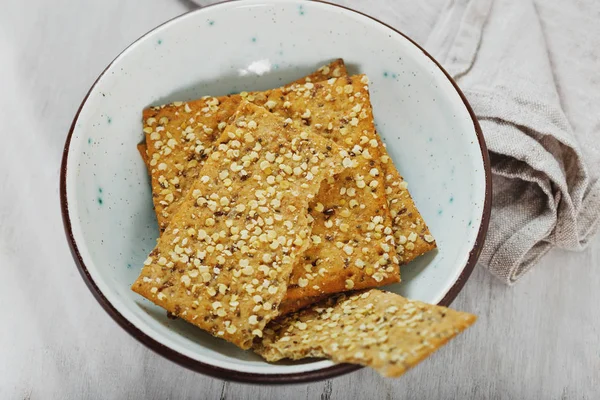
<point x="545" y="195"/>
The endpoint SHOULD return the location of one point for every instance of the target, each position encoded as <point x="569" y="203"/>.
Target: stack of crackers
<point x="279" y="213"/>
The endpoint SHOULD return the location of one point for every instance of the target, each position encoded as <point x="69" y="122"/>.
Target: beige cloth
<point x="531" y="71"/>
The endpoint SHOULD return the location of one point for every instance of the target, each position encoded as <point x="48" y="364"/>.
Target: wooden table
<point x="538" y="339"/>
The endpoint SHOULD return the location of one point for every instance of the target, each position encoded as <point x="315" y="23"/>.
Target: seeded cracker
<point x="225" y="258"/>
<point x="377" y="329"/>
<point x="410" y="231"/>
<point x="179" y="137"/>
<point x="288" y="306"/>
<point x="334" y="69"/>
<point x="353" y="245"/>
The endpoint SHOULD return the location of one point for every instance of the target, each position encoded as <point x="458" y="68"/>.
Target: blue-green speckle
<point x="211" y="22"/>
<point x="99" y="190"/>
<point x="470" y="223"/>
<point x="253" y="40"/>
<point x="440" y="211"/>
<point x="430" y="140"/>
<point x="451" y="199"/>
<point x="385" y="74"/>
<point x="89" y="140"/>
<point x="301" y="10"/>
<point x="128" y="266"/>
<point x="100" y="201"/>
<point x="109" y="120"/>
<point x="159" y="41"/>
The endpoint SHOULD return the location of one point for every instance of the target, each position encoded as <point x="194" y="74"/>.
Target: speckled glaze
<point x="429" y="129"/>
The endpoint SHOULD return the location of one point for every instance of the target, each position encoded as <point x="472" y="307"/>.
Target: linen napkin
<point x="531" y="71"/>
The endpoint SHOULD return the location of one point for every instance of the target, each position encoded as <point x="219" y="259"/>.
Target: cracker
<point x="141" y="147"/>
<point x="353" y="245"/>
<point x="288" y="305"/>
<point x="179" y="137"/>
<point x="378" y="329"/>
<point x="412" y="235"/>
<point x="225" y="258"/>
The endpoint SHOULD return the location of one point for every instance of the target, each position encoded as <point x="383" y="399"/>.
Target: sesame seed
<point x="302" y="282"/>
<point x="231" y="329"/>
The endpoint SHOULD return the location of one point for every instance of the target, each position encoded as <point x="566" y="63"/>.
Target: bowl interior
<point x="255" y="45"/>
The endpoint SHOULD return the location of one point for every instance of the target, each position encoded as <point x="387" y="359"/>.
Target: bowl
<point x="422" y="116"/>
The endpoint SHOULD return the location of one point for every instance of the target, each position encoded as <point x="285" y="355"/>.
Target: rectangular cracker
<point x="411" y="233"/>
<point x="224" y="260"/>
<point x="352" y="242"/>
<point x="353" y="245"/>
<point x="335" y="68"/>
<point x="179" y="137"/>
<point x="377" y="329"/>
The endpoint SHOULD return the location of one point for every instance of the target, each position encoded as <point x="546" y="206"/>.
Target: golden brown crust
<point x="352" y="241"/>
<point x="377" y="329"/>
<point x="288" y="305"/>
<point x="225" y="258"/>
<point x="179" y="137"/>
<point x="353" y="245"/>
<point x="410" y="230"/>
<point x="142" y="150"/>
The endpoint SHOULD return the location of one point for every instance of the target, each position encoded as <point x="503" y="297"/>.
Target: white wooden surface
<point x="539" y="339"/>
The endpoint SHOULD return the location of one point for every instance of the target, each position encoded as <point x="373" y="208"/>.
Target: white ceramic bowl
<point x="430" y="130"/>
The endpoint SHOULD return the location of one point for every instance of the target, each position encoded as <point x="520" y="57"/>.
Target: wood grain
<point x="539" y="339"/>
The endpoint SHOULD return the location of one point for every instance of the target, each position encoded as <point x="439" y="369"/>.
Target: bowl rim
<point x="246" y="377"/>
